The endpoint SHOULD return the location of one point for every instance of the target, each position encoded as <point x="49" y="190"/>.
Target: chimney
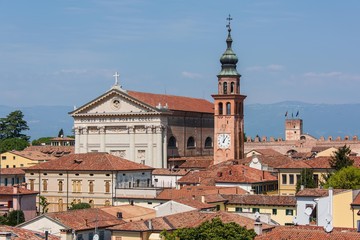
<point x="66" y="234"/>
<point x="302" y="187"/>
<point x="15" y="189"/>
<point x="119" y="215"/>
<point x="150" y="224"/>
<point x="203" y="199"/>
<point x="258" y="228"/>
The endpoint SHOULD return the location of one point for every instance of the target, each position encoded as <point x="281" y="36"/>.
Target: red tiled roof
<point x="90" y="161"/>
<point x="177" y="103"/>
<point x="356" y="200"/>
<point x="12" y="171"/>
<point x="257" y="199"/>
<point x="267" y="152"/>
<point x="308" y="232"/>
<point x="271" y="161"/>
<point x="24" y="234"/>
<point x="194" y="203"/>
<point x="229" y="173"/>
<point x="130" y="212"/>
<point x="194" y="191"/>
<point x="85" y="218"/>
<point x="62" y="139"/>
<point x="52" y="150"/>
<point x="318" y="192"/>
<point x="186" y="220"/>
<point x="9" y="190"/>
<point x="33" y="155"/>
<point x="170" y="172"/>
<point x="197" y="163"/>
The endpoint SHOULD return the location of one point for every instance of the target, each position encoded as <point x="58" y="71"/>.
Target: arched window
<point x="172" y="142"/>
<point x="190" y="142"/>
<point x="60" y="184"/>
<point x="208" y="142"/>
<point x="228" y="108"/>
<point x="107" y="186"/>
<point x="220" y="108"/>
<point x="232" y="87"/>
<point x="225" y="88"/>
<point x="91" y="186"/>
<point x="107" y="203"/>
<point x="45" y="184"/>
<point x="91" y="202"/>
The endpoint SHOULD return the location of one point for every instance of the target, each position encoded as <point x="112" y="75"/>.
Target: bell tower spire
<point x="229" y="107"/>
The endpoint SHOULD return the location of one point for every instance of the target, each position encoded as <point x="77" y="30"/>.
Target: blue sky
<point x="64" y="52"/>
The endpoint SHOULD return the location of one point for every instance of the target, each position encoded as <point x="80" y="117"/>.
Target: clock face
<point x="223" y="140"/>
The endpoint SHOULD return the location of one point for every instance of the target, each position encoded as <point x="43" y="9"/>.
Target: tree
<point x="345" y="178"/>
<point x="341" y="158"/>
<point x="75" y="206"/>
<point x="10" y="144"/>
<point x="15" y="217"/>
<point x="61" y="133"/>
<point x="214" y="229"/>
<point x="306" y="179"/>
<point x="41" y="141"/>
<point x="13" y="125"/>
<point x="43" y="204"/>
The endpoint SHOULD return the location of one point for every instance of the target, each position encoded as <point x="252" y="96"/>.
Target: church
<point x="149" y="128"/>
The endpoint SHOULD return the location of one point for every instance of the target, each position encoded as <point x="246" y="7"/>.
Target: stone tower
<point x="229" y="108"/>
<point x="293" y="129"/>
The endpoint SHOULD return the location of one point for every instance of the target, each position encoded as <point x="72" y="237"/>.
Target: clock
<point x="223" y="140"/>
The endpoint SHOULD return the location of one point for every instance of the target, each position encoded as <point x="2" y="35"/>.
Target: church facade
<point x="144" y="127"/>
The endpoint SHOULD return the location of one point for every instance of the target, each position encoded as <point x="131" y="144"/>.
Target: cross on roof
<point x="116" y="75"/>
<point x="229" y="19"/>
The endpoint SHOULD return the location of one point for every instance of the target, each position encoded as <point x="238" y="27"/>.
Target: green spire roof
<point x="229" y="59"/>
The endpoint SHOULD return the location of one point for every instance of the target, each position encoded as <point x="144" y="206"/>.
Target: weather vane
<point x="228" y="25"/>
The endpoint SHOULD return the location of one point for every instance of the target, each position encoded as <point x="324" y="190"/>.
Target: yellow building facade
<point x="18" y="159"/>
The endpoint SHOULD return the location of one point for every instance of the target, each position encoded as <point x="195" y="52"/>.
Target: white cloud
<point x="191" y="75"/>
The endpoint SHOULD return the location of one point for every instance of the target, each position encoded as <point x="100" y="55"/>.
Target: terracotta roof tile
<point x="272" y="161"/>
<point x="268" y="152"/>
<point x="229" y="173"/>
<point x="85" y="218"/>
<point x="12" y="171"/>
<point x="170" y="172"/>
<point x="90" y="161"/>
<point x="56" y="151"/>
<point x="9" y="190"/>
<point x="186" y="220"/>
<point x="356" y="200"/>
<point x="177" y="103"/>
<point x="308" y="232"/>
<point x="318" y="192"/>
<point x="130" y="212"/>
<point x="24" y="234"/>
<point x="195" y="191"/>
<point x="257" y="199"/>
<point x="34" y="155"/>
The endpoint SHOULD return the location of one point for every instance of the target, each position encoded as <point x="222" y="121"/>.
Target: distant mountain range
<point x="260" y="119"/>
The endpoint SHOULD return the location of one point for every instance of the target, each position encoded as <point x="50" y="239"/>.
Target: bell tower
<point x="229" y="108"/>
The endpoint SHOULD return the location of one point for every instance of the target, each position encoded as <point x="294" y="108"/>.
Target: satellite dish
<point x="308" y="211"/>
<point x="328" y="218"/>
<point x="96" y="236"/>
<point x="328" y="228"/>
<point x="295" y="220"/>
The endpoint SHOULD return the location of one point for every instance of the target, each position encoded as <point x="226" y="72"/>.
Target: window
<point x="291" y="179"/>
<point x="107" y="186"/>
<point x="228" y="108"/>
<point x="284" y="178"/>
<point x="60" y="184"/>
<point x="316" y="179"/>
<point x="60" y="205"/>
<point x="148" y="182"/>
<point x="232" y="87"/>
<point x="76" y="186"/>
<point x="79" y="237"/>
<point x="45" y="184"/>
<point x="101" y="235"/>
<point x="225" y="88"/>
<point x="91" y="235"/>
<point x="254" y="210"/>
<point x="220" y="108"/>
<point x="14" y="166"/>
<point x="190" y="142"/>
<point x="6" y="183"/>
<point x="217" y="207"/>
<point x="91" y="186"/>
<point x="289" y="212"/>
<point x="14" y="157"/>
<point x="172" y="142"/>
<point x="31" y="183"/>
<point x="208" y="142"/>
<point x="91" y="202"/>
<point x="238" y="209"/>
<point x="3" y="157"/>
<point x="298" y="178"/>
<point x="137" y="182"/>
<point x="274" y="211"/>
<point x="107" y="203"/>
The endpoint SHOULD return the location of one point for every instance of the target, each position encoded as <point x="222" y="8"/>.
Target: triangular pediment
<point x="114" y="102"/>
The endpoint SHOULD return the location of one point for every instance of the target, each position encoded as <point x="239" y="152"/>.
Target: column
<point x="131" y="155"/>
<point x="77" y="139"/>
<point x="102" y="138"/>
<point x="164" y="146"/>
<point x="85" y="136"/>
<point x="150" y="146"/>
<point x="159" y="153"/>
